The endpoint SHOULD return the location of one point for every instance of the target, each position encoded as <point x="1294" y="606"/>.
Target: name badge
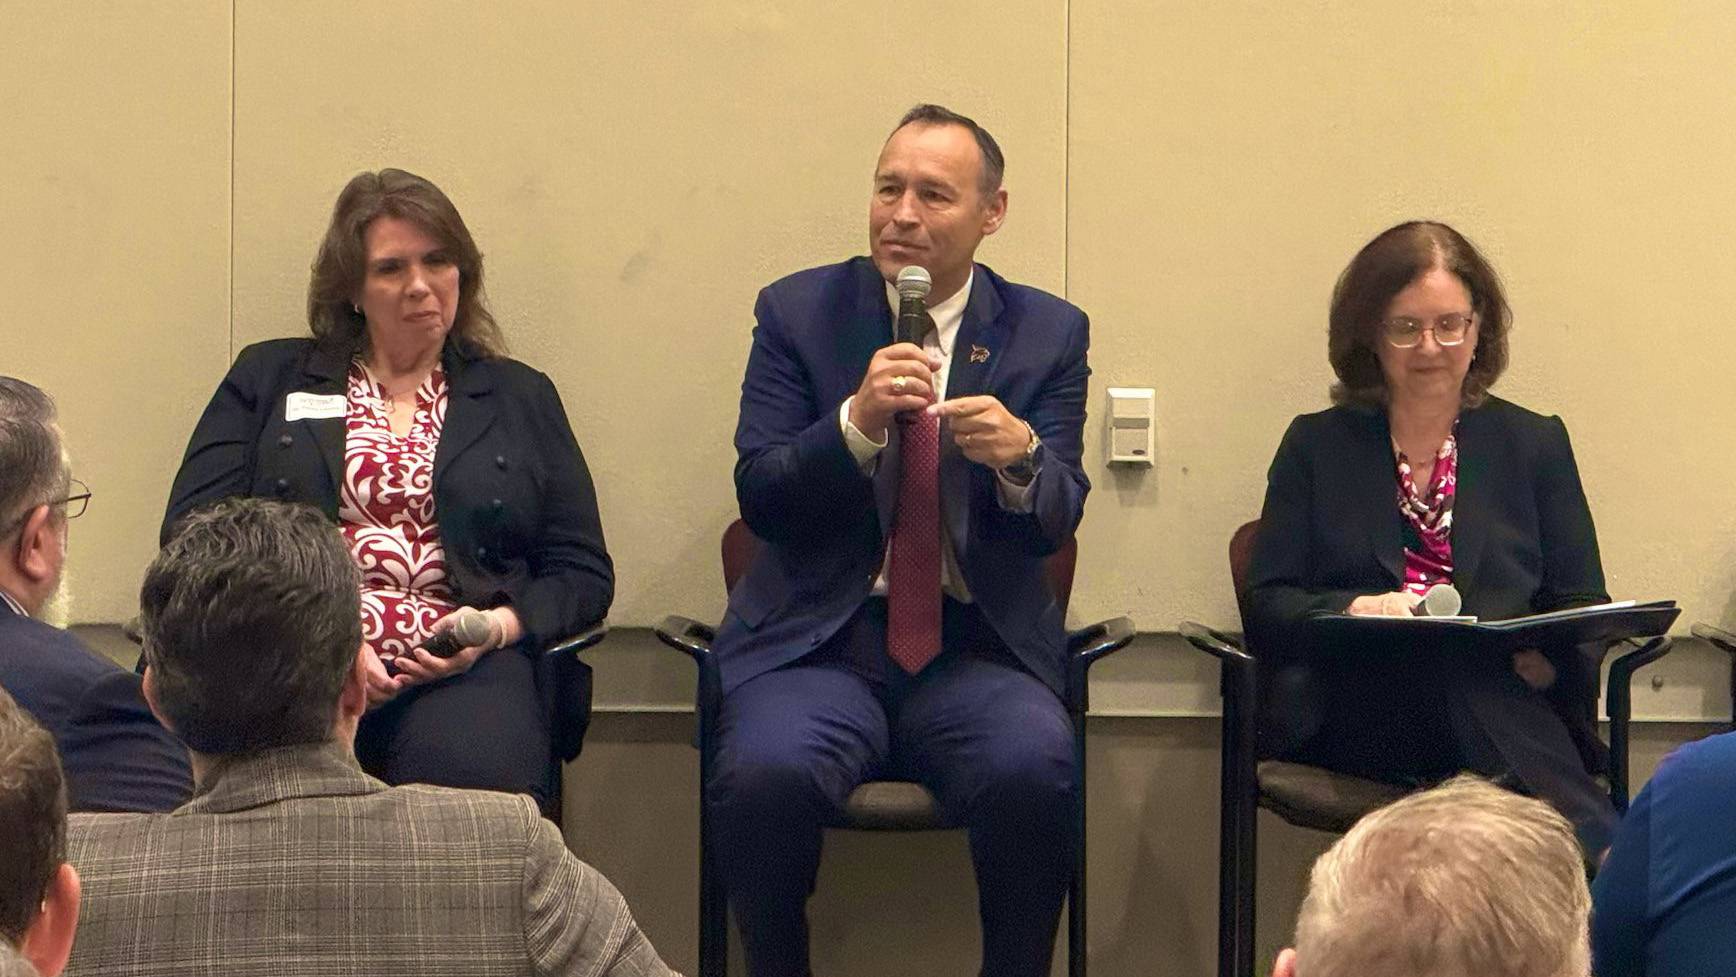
<point x="315" y="406"/>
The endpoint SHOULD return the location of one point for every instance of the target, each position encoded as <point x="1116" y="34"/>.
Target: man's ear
<point x="353" y="697"/>
<point x="149" y="687"/>
<point x="994" y="212"/>
<point x="38" y="546"/>
<point x="1285" y="965"/>
<point x="48" y="940"/>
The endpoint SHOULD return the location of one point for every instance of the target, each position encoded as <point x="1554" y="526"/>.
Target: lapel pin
<point x="979" y="354"/>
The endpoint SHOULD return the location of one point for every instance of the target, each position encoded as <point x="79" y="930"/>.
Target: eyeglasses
<point x="1451" y="329"/>
<point x="77" y="502"/>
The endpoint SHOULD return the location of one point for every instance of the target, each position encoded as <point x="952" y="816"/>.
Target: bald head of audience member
<point x="1465" y="880"/>
<point x="251" y="624"/>
<point x="38" y="889"/>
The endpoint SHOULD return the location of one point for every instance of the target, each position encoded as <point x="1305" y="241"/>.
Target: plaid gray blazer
<point x="295" y="862"/>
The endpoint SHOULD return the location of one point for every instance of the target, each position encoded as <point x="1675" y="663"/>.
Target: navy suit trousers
<point x="992" y="743"/>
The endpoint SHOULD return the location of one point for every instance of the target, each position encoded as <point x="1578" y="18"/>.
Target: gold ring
<point x="898" y="384"/>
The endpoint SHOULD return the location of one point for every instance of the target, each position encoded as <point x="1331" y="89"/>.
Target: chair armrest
<point x="1621" y="671"/>
<point x="1215" y="643"/>
<point x="684" y="634"/>
<point x="1721" y="639"/>
<point x="1618" y="703"/>
<point x="579" y="642"/>
<point x="1099" y="640"/>
<point x="1084" y="647"/>
<point x="694" y="640"/>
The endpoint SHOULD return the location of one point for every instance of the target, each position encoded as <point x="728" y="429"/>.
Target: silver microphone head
<point x="1441" y="600"/>
<point x="471" y="628"/>
<point x="913" y="282"/>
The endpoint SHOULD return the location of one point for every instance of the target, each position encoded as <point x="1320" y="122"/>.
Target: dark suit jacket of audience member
<point x="293" y="861"/>
<point x="1664" y="900"/>
<point x="117" y="757"/>
<point x="513" y="497"/>
<point x="1523" y="538"/>
<point x="802" y="492"/>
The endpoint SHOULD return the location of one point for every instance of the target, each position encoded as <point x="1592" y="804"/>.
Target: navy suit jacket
<point x="825" y="521"/>
<point x="116" y="756"/>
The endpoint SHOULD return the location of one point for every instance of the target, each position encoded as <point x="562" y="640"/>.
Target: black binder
<point x="1599" y="624"/>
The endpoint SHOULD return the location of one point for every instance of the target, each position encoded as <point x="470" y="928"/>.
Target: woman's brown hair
<point x="342" y="261"/>
<point x="1385" y="265"/>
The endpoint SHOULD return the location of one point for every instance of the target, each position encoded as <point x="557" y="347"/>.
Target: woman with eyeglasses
<point x="1417" y="477"/>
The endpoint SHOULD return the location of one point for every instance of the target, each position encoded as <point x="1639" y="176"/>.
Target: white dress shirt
<point x="947" y="315"/>
<point x="17" y="608"/>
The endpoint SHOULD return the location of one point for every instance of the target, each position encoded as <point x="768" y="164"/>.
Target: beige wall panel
<point x="1227" y="160"/>
<point x="114" y="197"/>
<point x="634" y="174"/>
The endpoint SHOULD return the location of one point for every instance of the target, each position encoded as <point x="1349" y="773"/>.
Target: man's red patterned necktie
<point x="913" y="565"/>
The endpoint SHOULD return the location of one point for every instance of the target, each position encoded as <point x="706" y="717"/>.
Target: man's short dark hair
<point x="32" y="469"/>
<point x="994" y="164"/>
<point x="32" y="818"/>
<point x="251" y="618"/>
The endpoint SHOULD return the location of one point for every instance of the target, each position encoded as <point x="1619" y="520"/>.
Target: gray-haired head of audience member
<point x="1464" y="879"/>
<point x="34" y="480"/>
<point x="38" y="889"/>
<point x="251" y="623"/>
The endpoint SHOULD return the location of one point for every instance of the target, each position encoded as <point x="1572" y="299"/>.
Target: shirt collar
<point x="17" y="608"/>
<point x="946" y="315"/>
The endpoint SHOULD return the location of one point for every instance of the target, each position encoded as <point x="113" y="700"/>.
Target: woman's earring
<point x="356" y="308"/>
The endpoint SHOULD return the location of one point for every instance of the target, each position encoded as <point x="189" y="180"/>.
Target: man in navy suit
<point x="898" y="622"/>
<point x="116" y="756"/>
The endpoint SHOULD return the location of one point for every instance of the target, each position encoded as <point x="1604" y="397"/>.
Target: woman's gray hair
<point x="1466" y="878"/>
<point x="33" y="468"/>
<point x="251" y="619"/>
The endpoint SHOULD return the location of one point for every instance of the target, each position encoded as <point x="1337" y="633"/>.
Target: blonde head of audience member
<point x="1465" y="880"/>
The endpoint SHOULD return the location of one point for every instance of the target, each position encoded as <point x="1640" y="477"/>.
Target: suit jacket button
<point x="500" y="462"/>
<point x="482" y="552"/>
<point x="285" y="441"/>
<point x="283" y="486"/>
<point x="498" y="505"/>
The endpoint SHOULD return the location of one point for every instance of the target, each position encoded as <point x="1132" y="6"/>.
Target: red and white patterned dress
<point x="1428" y="552"/>
<point x="386" y="511"/>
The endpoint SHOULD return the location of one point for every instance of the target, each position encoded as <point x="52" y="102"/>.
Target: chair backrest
<point x="740" y="546"/>
<point x="1241" y="552"/>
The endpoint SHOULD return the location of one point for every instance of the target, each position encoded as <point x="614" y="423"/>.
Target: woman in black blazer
<point x="454" y="476"/>
<point x="1418" y="477"/>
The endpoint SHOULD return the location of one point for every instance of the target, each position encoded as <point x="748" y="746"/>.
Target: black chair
<point x="1313" y="797"/>
<point x="1724" y="641"/>
<point x="879" y="805"/>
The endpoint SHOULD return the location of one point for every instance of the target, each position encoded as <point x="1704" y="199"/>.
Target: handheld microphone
<point x="913" y="286"/>
<point x="1441" y="600"/>
<point x="471" y="628"/>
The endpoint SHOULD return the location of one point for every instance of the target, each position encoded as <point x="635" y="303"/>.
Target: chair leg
<point x="1239" y="801"/>
<point x="713" y="897"/>
<point x="1076" y="939"/>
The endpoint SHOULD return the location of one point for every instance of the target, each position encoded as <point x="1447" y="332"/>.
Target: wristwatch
<point x="1025" y="469"/>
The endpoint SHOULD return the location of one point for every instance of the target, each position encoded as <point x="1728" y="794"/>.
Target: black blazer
<point x="116" y="756"/>
<point x="514" y="501"/>
<point x="1523" y="539"/>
